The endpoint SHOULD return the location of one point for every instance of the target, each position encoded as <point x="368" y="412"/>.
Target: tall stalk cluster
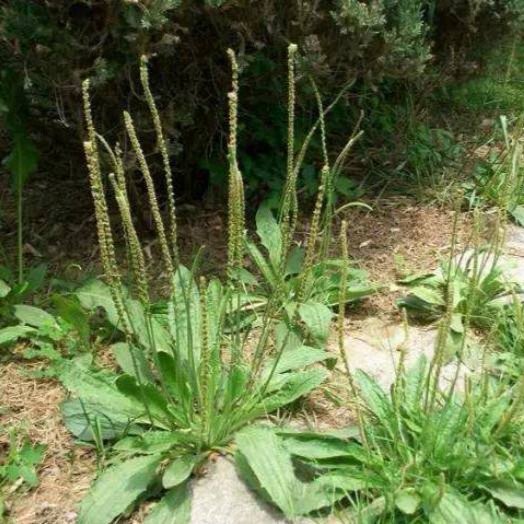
<point x="196" y="313"/>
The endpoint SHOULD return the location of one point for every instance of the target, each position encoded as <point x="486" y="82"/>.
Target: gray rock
<point x="513" y="267"/>
<point x="376" y="350"/>
<point x="221" y="497"/>
<point x="515" y="241"/>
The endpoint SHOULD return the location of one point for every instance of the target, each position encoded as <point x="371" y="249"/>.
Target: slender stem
<point x="20" y="239"/>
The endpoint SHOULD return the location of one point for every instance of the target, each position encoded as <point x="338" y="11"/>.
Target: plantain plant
<point x="498" y="182"/>
<point x="190" y="381"/>
<point x="456" y="458"/>
<point x="424" y="452"/>
<point x="507" y="338"/>
<point x="303" y="280"/>
<point x="478" y="286"/>
<point x="472" y="289"/>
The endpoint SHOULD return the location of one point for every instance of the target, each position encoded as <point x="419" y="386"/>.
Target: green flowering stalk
<point x="161" y="144"/>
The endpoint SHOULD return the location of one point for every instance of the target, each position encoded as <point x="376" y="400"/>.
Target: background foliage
<point x="382" y="46"/>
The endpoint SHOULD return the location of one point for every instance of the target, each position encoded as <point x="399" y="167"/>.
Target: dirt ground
<point x="398" y="237"/>
<point x="33" y="407"/>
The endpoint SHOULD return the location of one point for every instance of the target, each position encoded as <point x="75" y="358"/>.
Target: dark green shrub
<point x="54" y="45"/>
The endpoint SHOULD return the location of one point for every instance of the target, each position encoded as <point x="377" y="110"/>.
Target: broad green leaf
<point x="28" y="474"/>
<point x="244" y="276"/>
<point x="419" y="278"/>
<point x="428" y="295"/>
<point x="33" y="316"/>
<point x="316" y="448"/>
<point x="147" y="329"/>
<point x="413" y="381"/>
<point x="171" y="375"/>
<point x="294" y="386"/>
<point x="236" y="383"/>
<point x="317" y="318"/>
<point x="99" y="390"/>
<point x="271" y="466"/>
<point x="269" y="275"/>
<point x="86" y="421"/>
<point x="294" y="261"/>
<point x="448" y="422"/>
<point x="518" y="215"/>
<point x="407" y="501"/>
<point x="287" y="337"/>
<point x="174" y="508"/>
<point x="374" y="397"/>
<point x="132" y="361"/>
<point x="22" y="161"/>
<point x="346" y="433"/>
<point x="293" y="359"/>
<point x="152" y="442"/>
<point x="153" y="401"/>
<point x="454" y="507"/>
<point x="96" y="294"/>
<point x="117" y="488"/>
<point x="73" y="313"/>
<point x="4" y="289"/>
<point x="11" y="334"/>
<point x="262" y="457"/>
<point x="179" y="470"/>
<point x="510" y="493"/>
<point x="357" y="290"/>
<point x="345" y="481"/>
<point x="269" y="233"/>
<point x="457" y="324"/>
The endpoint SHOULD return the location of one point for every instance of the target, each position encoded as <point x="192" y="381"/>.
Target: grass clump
<point x="441" y="446"/>
<point x="470" y="288"/>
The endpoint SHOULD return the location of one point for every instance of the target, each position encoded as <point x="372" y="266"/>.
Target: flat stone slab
<point x="515" y="241"/>
<point x="513" y="268"/>
<point x="376" y="350"/>
<point x="221" y="497"/>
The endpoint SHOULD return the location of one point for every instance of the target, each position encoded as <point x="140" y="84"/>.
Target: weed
<point x="508" y="339"/>
<point x="451" y="459"/>
<point x="303" y="282"/>
<point x="498" y="181"/>
<point x="18" y="466"/>
<point x="51" y="337"/>
<point x="12" y="295"/>
<point x="304" y="298"/>
<point x="191" y="378"/>
<point x="470" y="286"/>
<point x="427" y="451"/>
